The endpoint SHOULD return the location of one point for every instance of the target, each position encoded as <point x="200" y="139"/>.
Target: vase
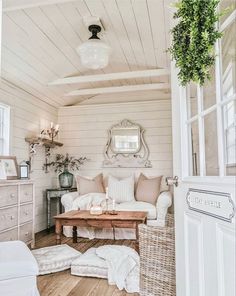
<point x="66" y="179"/>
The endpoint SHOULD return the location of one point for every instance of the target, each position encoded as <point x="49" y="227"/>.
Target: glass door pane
<point x="209" y="91"/>
<point x="211" y="144"/>
<point x="194" y="149"/>
<point x="230" y="4"/>
<point x="192" y="100"/>
<point x="229" y="111"/>
<point x="228" y="56"/>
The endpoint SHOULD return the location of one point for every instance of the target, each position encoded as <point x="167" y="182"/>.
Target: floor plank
<point x="64" y="284"/>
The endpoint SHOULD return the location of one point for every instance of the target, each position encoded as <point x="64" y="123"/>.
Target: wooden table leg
<point x="58" y="230"/>
<point x="74" y="234"/>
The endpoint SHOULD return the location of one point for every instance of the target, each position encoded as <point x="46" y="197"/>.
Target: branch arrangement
<point x="66" y="162"/>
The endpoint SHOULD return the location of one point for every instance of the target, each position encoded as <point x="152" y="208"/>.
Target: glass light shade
<point x="94" y="54"/>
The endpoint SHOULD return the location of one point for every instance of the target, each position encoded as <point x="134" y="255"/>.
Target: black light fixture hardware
<point x="94" y="29"/>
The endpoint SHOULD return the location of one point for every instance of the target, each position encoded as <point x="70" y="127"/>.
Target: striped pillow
<point x="121" y="190"/>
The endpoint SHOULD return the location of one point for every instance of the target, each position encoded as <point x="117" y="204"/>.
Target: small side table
<point x="52" y="195"/>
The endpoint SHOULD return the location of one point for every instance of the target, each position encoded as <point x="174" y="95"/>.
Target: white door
<point x="205" y="162"/>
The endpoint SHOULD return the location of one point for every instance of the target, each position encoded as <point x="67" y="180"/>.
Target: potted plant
<point x="194" y="38"/>
<point x="63" y="164"/>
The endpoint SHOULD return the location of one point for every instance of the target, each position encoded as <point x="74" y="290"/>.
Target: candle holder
<point x="51" y="132"/>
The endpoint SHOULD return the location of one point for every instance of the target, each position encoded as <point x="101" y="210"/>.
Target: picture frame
<point x="9" y="163"/>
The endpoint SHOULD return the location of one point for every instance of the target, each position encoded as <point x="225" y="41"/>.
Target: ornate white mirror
<point x="126" y="146"/>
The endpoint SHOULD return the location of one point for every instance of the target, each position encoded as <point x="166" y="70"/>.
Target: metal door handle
<point x="170" y="181"/>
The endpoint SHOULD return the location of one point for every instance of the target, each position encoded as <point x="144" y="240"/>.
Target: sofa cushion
<point x="121" y="190"/>
<point x="16" y="261"/>
<point x="89" y="264"/>
<point x="148" y="190"/>
<point x="138" y="206"/>
<point x="55" y="258"/>
<point x="90" y="185"/>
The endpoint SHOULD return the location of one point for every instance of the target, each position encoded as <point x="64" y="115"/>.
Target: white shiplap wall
<point x="28" y="116"/>
<point x="84" y="133"/>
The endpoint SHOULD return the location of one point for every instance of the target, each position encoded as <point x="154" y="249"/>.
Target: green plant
<point x="66" y="162"/>
<point x="194" y="38"/>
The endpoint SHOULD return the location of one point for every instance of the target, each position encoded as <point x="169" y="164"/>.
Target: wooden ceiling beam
<point x="111" y="76"/>
<point x="117" y="89"/>
<point x="12" y="5"/>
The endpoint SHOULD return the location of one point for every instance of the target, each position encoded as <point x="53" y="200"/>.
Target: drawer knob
<point x="12" y="195"/>
<point x="26" y="213"/>
<point x="27" y="233"/>
<point x="12" y="217"/>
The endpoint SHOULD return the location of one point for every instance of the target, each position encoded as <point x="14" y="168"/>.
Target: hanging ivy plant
<point x="194" y="38"/>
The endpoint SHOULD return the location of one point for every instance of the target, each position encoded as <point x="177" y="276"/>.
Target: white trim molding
<point x="111" y="76"/>
<point x="118" y="89"/>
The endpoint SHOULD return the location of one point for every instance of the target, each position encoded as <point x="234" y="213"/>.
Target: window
<point x="211" y="112"/>
<point x="4" y="129"/>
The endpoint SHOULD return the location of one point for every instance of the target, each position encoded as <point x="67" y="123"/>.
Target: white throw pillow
<point x="121" y="190"/>
<point x="55" y="258"/>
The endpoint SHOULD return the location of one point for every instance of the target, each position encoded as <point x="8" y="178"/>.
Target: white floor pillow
<point x="55" y="258"/>
<point x="89" y="264"/>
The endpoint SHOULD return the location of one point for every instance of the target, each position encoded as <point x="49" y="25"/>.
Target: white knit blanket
<point x="123" y="266"/>
<point x="83" y="202"/>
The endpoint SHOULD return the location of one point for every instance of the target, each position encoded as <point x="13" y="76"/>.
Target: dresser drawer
<point x="26" y="232"/>
<point x="8" y="218"/>
<point x="9" y="235"/>
<point x="8" y="196"/>
<point x="26" y="213"/>
<point x="26" y="193"/>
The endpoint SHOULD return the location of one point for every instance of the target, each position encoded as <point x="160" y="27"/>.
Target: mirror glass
<point x="125" y="140"/>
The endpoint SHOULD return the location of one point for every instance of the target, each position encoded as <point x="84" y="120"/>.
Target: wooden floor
<point x="65" y="284"/>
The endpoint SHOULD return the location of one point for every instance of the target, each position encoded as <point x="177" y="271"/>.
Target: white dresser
<point x="17" y="211"/>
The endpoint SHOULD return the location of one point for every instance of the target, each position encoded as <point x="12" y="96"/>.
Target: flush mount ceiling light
<point x="94" y="53"/>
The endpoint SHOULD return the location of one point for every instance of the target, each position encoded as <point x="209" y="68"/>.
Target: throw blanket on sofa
<point x="123" y="266"/>
<point x="83" y="202"/>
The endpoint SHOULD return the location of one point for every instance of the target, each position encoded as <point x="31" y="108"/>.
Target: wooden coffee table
<point x="123" y="219"/>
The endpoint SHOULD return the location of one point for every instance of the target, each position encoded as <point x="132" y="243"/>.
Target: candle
<point x="113" y="205"/>
<point x="107" y="197"/>
<point x="57" y="127"/>
<point x="51" y="124"/>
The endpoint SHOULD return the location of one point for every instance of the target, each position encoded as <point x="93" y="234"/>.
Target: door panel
<point x="205" y="247"/>
<point x="194" y="254"/>
<point x="203" y="133"/>
<point x="226" y="270"/>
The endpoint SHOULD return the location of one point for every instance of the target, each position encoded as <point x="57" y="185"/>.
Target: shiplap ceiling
<point x="40" y="38"/>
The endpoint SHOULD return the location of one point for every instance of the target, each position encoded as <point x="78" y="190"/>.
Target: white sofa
<point x="156" y="216"/>
<point x="18" y="270"/>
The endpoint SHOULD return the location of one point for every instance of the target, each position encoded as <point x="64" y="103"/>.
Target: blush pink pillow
<point x="87" y="185"/>
<point x="148" y="190"/>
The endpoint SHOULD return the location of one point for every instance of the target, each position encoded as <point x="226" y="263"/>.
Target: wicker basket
<point x="157" y="259"/>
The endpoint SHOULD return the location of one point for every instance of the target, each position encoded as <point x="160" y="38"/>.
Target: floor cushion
<point x="16" y="261"/>
<point x="138" y="206"/>
<point x="89" y="264"/>
<point x="55" y="258"/>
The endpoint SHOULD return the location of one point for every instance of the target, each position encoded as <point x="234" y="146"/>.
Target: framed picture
<point x="2" y="172"/>
<point x="9" y="164"/>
